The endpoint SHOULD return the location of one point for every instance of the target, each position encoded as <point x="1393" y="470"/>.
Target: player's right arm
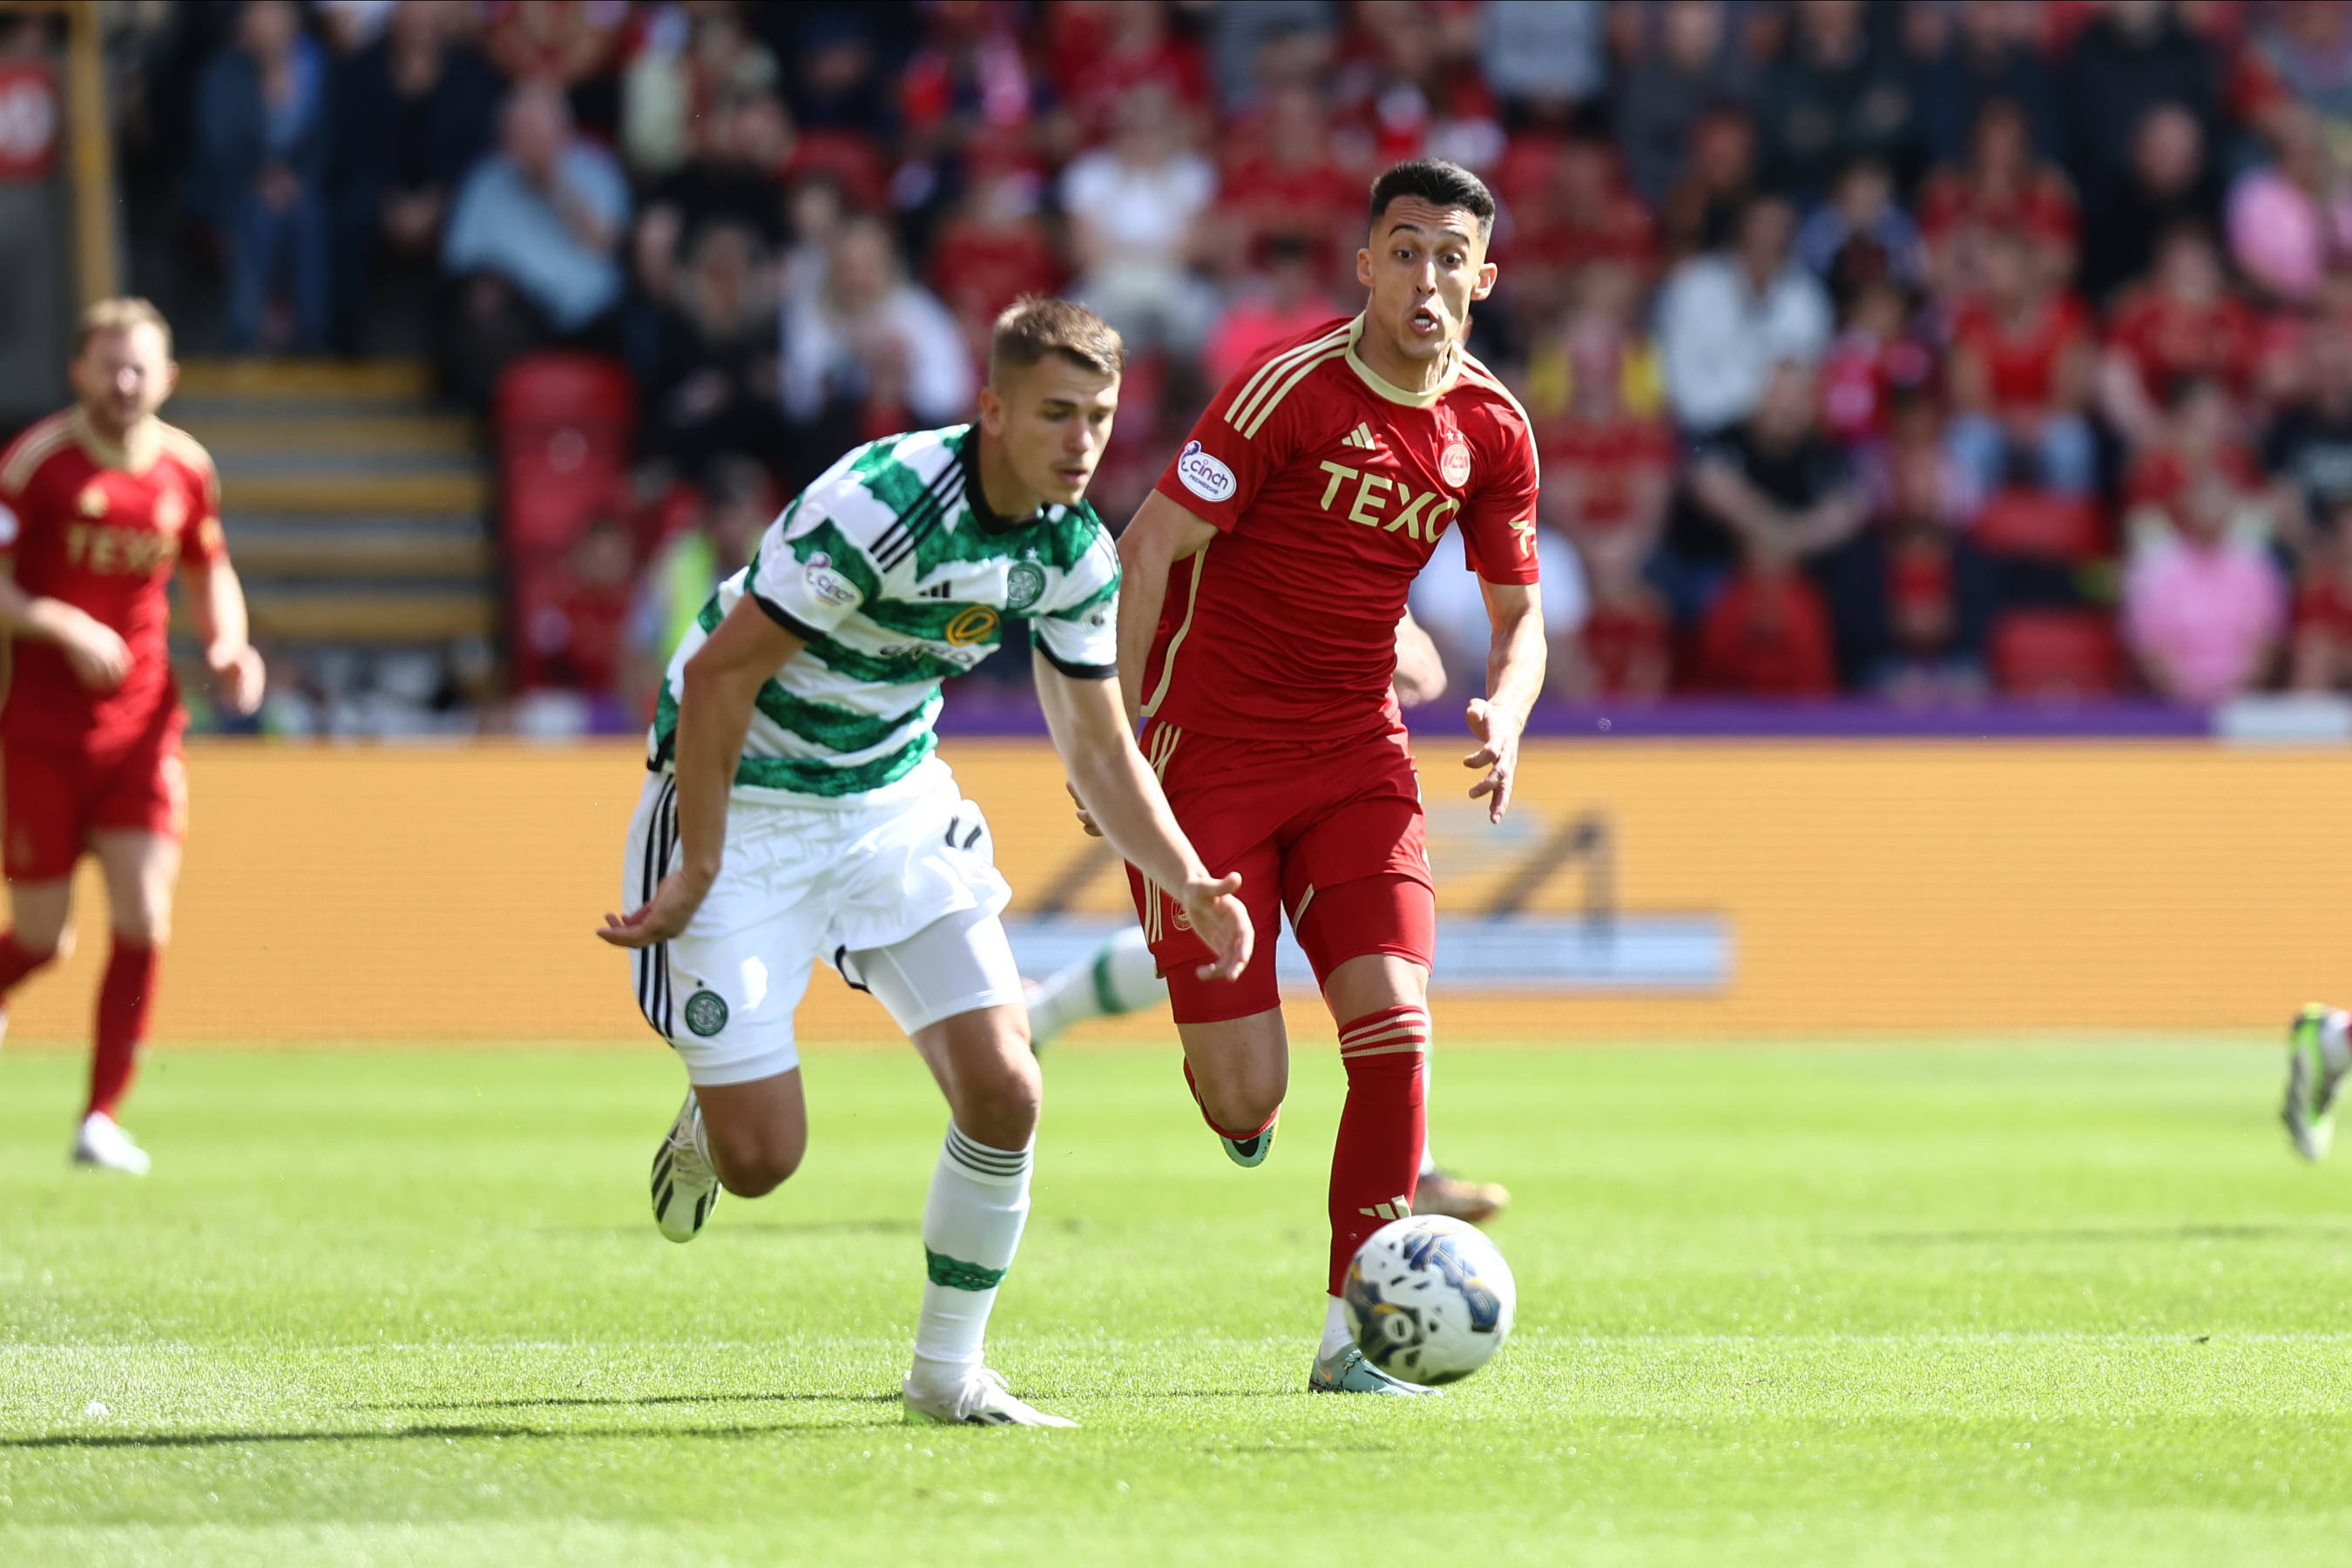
<point x="718" y="689"/>
<point x="99" y="658"/>
<point x="1161" y="534"/>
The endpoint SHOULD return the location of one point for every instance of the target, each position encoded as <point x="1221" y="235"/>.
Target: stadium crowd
<point x="1921" y="350"/>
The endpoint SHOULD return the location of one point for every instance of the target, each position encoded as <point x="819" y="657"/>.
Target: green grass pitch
<point x="2003" y="1305"/>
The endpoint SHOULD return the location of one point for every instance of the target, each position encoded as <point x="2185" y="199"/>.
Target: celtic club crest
<point x="1023" y="586"/>
<point x="706" y="1013"/>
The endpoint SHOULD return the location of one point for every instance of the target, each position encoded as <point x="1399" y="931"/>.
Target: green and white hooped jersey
<point x="893" y="571"/>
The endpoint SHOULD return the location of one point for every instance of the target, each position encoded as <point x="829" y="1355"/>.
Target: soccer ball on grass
<point x="1429" y="1298"/>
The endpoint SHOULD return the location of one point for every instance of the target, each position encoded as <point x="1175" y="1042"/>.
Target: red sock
<point x="1236" y="1137"/>
<point x="1378" y="1158"/>
<point x="124" y="999"/>
<point x="17" y="961"/>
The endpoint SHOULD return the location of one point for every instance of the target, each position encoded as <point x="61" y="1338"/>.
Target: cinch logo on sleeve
<point x="1203" y="475"/>
<point x="826" y="583"/>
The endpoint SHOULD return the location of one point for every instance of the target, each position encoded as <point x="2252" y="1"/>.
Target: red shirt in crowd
<point x="2021" y="359"/>
<point x="2170" y="342"/>
<point x="1767" y="637"/>
<point x="1629" y="645"/>
<point x="101" y="528"/>
<point x="1613" y="466"/>
<point x="1329" y="488"/>
<point x="2042" y="207"/>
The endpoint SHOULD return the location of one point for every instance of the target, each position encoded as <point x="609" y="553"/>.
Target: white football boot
<point x="685" y="1187"/>
<point x="103" y="1143"/>
<point x="979" y="1400"/>
<point x="1349" y="1370"/>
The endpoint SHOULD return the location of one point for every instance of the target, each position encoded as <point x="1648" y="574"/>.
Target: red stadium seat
<point x="2041" y="525"/>
<point x="566" y="427"/>
<point x="2057" y="653"/>
<point x="543" y="394"/>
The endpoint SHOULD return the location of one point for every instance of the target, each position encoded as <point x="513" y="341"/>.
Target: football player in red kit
<point x="99" y="506"/>
<point x="1265" y="578"/>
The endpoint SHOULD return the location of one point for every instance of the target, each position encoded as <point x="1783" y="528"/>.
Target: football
<point x="1429" y="1300"/>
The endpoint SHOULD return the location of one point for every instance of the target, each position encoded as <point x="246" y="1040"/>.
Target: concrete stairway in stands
<point x="357" y="513"/>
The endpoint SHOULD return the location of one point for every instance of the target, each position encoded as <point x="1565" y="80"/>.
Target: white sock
<point x="700" y="1134"/>
<point x="1120" y="977"/>
<point x="2332" y="1043"/>
<point x="1336" y="1337"/>
<point x="972" y="1227"/>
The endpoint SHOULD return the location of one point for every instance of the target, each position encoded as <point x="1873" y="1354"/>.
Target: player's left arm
<point x="1515" y="677"/>
<point x="1498" y="539"/>
<point x="216" y="604"/>
<point x="1419" y="669"/>
<point x="1089" y="724"/>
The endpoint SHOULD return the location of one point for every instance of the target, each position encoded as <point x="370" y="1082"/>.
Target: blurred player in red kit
<point x="1264" y="579"/>
<point x="98" y="505"/>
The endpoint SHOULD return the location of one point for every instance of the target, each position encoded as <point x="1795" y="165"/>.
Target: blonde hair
<point x="119" y="315"/>
<point x="1031" y="328"/>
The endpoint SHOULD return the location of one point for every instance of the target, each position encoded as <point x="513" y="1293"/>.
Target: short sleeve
<point x="810" y="575"/>
<point x="1077" y="629"/>
<point x="1498" y="521"/>
<point x="1249" y="432"/>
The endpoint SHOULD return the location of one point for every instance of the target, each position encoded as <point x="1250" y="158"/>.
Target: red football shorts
<point x="56" y="796"/>
<point x="1330" y="834"/>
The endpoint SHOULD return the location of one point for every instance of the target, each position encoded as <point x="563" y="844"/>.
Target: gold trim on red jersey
<point x="139" y="450"/>
<point x="33" y="448"/>
<point x="1391" y="390"/>
<point x="1167" y="663"/>
<point x="1239" y="412"/>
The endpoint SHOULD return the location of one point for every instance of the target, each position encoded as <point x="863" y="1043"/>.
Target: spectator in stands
<point x="993" y="248"/>
<point x="2290" y="221"/>
<point x="2200" y="429"/>
<point x="1727" y="318"/>
<point x="1772" y="492"/>
<point x="1133" y="207"/>
<point x="736" y="149"/>
<point x="1912" y="600"/>
<point x="572" y="44"/>
<point x="2169" y="185"/>
<point x="1835" y="95"/>
<point x="1684" y="67"/>
<point x="1995" y="57"/>
<point x="1543" y="56"/>
<point x="2321" y="658"/>
<point x="2180" y="326"/>
<point x="411" y="112"/>
<point x="2203" y="604"/>
<point x="866" y="352"/>
<point x="2002" y="186"/>
<point x="730" y="509"/>
<point x="1702" y="211"/>
<point x="257" y="173"/>
<point x="711" y="387"/>
<point x="689" y="63"/>
<point x="1283" y="178"/>
<point x="1608" y="455"/>
<point x="1877" y="359"/>
<point x="1862" y="212"/>
<point x="2134" y="55"/>
<point x="533" y="237"/>
<point x="2022" y="368"/>
<point x="2309" y="446"/>
<point x="1285" y="299"/>
<point x="1768" y="635"/>
<point x="1100" y="52"/>
<point x="1581" y="214"/>
<point x="2302" y="55"/>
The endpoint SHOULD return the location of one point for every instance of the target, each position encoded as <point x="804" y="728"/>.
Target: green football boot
<point x="2311" y="1083"/>
<point x="1351" y="1372"/>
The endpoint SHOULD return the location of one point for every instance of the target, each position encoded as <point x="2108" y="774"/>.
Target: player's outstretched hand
<point x="237" y="672"/>
<point x="1085" y="817"/>
<point x="1498" y="753"/>
<point x="660" y="918"/>
<point x="99" y="658"/>
<point x="1219" y="919"/>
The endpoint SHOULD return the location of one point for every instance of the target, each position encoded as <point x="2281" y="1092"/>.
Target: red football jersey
<point x="101" y="527"/>
<point x="1329" y="488"/>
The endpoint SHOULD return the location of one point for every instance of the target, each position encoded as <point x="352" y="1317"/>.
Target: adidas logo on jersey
<point x="935" y="590"/>
<point x="1361" y="436"/>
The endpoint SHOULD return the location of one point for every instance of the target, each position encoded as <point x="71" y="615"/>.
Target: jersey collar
<point x="976" y="498"/>
<point x="135" y="454"/>
<point x="1390" y="389"/>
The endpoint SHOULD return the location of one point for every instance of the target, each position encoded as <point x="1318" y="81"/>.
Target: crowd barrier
<point x="1642" y="890"/>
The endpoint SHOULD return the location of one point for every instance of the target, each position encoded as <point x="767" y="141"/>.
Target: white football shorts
<point x="902" y="899"/>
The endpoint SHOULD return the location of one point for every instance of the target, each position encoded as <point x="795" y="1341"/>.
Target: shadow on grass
<point x="2115" y="1235"/>
<point x="441" y="1432"/>
<point x="584" y="1403"/>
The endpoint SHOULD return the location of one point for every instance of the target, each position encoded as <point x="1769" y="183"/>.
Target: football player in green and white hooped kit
<point x="794" y="810"/>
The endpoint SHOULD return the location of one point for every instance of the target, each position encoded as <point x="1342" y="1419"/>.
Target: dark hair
<point x="1032" y="328"/>
<point x="1438" y="183"/>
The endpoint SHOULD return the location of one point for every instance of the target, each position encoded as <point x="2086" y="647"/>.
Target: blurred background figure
<point x="261" y="152"/>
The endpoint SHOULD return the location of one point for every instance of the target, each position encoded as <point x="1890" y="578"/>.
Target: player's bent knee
<point x="755" y="1168"/>
<point x="1000" y="1109"/>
